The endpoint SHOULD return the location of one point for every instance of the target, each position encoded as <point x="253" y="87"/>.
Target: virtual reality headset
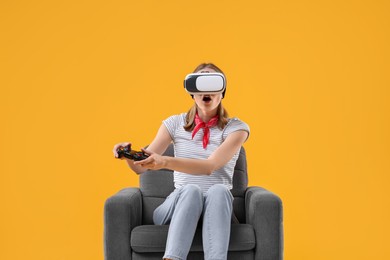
<point x="205" y="83"/>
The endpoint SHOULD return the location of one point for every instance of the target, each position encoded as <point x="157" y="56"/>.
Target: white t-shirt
<point x="186" y="147"/>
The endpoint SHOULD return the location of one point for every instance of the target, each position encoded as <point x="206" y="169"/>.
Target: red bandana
<point x="206" y="128"/>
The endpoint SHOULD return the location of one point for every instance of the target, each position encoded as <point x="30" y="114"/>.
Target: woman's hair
<point x="222" y="113"/>
<point x="208" y="65"/>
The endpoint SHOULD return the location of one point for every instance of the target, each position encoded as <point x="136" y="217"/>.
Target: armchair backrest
<point x="157" y="185"/>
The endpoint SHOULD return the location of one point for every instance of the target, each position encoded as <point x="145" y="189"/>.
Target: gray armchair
<point x="129" y="232"/>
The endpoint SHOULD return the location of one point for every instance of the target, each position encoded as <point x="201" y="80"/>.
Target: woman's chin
<point x="208" y="106"/>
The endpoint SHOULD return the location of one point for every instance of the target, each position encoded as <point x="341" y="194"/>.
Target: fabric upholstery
<point x="122" y="214"/>
<point x="243" y="255"/>
<point x="264" y="212"/>
<point x="152" y="238"/>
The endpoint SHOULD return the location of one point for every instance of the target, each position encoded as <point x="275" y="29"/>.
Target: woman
<point x="207" y="144"/>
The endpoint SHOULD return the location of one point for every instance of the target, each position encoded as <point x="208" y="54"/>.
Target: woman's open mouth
<point x="206" y="98"/>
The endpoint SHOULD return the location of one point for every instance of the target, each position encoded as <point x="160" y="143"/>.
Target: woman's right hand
<point x="116" y="147"/>
<point x="136" y="168"/>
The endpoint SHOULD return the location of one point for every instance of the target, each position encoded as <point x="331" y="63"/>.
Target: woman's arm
<point x="216" y="160"/>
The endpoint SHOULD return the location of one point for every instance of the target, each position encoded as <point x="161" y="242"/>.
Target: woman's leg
<point x="217" y="218"/>
<point x="181" y="210"/>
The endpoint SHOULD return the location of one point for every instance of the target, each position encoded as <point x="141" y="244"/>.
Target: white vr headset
<point x="205" y="83"/>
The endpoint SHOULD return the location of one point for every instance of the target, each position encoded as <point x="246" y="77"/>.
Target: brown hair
<point x="208" y="65"/>
<point x="222" y="113"/>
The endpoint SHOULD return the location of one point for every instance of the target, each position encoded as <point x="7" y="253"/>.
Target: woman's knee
<point x="192" y="191"/>
<point x="219" y="190"/>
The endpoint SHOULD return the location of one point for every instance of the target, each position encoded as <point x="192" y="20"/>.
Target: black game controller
<point x="131" y="154"/>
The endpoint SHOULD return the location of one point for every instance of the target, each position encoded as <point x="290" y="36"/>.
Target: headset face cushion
<point x="205" y="83"/>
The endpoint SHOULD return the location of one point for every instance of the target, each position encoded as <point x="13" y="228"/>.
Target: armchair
<point x="129" y="232"/>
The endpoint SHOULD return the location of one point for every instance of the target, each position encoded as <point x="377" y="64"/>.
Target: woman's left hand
<point x="153" y="162"/>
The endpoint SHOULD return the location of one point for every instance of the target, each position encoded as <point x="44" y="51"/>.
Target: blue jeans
<point x="182" y="210"/>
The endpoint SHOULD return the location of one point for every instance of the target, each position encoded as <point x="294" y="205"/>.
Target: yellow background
<point x="311" y="78"/>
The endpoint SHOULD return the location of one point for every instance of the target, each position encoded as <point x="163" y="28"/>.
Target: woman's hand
<point x="116" y="147"/>
<point x="136" y="168"/>
<point x="153" y="162"/>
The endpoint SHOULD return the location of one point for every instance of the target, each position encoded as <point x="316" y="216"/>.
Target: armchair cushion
<point x="151" y="238"/>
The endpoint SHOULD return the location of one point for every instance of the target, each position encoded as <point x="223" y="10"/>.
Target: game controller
<point x="131" y="154"/>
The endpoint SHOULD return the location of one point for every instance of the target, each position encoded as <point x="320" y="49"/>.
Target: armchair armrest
<point x="264" y="211"/>
<point x="122" y="212"/>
